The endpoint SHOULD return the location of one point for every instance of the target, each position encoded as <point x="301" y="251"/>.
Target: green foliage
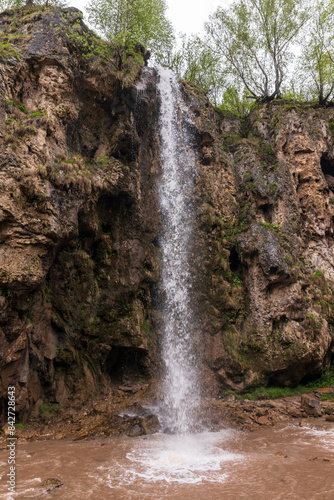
<point x="7" y="51"/>
<point x="15" y="4"/>
<point x="48" y="409"/>
<point x="125" y="22"/>
<point x="271" y="227"/>
<point x="145" y="326"/>
<point x="20" y="426"/>
<point x="103" y="161"/>
<point x="253" y="38"/>
<point x="196" y="63"/>
<point x="230" y="141"/>
<point x="11" y="4"/>
<point x="272" y="188"/>
<point x="328" y="397"/>
<point x="237" y="280"/>
<point x="326" y="380"/>
<point x="316" y="67"/>
<point x="236" y="102"/>
<point x="103" y="55"/>
<point x="37" y="114"/>
<point x="21" y="108"/>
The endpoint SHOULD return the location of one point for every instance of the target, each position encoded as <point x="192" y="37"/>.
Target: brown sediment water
<point x="287" y="463"/>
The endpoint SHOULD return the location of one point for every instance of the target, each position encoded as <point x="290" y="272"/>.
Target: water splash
<point x="180" y="385"/>
<point x="180" y="459"/>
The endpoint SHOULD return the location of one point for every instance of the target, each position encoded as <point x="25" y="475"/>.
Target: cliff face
<point x="79" y="224"/>
<point x="78" y="211"/>
<point x="265" y="195"/>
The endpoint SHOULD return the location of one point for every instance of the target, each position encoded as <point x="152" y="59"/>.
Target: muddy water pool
<point x="284" y="463"/>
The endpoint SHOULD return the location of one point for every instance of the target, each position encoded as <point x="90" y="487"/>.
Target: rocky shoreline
<point x="128" y="410"/>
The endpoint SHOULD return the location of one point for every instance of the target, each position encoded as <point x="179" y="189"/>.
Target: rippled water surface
<point x="230" y="465"/>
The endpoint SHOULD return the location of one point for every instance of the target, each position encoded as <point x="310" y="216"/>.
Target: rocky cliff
<point x="78" y="210"/>
<point x="79" y="224"/>
<point x="265" y="194"/>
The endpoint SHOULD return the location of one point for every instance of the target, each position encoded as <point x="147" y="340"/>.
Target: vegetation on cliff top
<point x="126" y="23"/>
<point x="254" y="49"/>
<point x="270" y="49"/>
<point x="89" y="52"/>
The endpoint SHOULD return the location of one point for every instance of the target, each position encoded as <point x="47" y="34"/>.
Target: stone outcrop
<point x="265" y="193"/>
<point x="78" y="211"/>
<point x="79" y="225"/>
<point x="311" y="405"/>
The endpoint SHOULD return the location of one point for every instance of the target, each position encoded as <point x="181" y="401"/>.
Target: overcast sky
<point x="187" y="16"/>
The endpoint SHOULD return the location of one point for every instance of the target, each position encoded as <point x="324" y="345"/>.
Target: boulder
<point x="311" y="405"/>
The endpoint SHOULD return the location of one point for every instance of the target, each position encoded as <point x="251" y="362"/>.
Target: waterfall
<point x="180" y="382"/>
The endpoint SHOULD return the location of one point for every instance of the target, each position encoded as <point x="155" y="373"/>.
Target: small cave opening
<point x="234" y="259"/>
<point x="112" y="212"/>
<point x="105" y="227"/>
<point x="276" y="324"/>
<point x="327" y="167"/>
<point x="126" y="365"/>
<point x="267" y="211"/>
<point x="265" y="208"/>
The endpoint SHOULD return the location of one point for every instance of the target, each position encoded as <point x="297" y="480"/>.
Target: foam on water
<point x="175" y="459"/>
<point x="325" y="437"/>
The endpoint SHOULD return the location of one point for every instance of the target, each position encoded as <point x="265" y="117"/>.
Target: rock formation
<point x="266" y="196"/>
<point x="78" y="210"/>
<point x="79" y="224"/>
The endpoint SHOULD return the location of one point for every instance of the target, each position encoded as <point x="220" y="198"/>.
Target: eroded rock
<point x="311" y="405"/>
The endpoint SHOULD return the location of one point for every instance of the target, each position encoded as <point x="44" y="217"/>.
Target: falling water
<point x="180" y="384"/>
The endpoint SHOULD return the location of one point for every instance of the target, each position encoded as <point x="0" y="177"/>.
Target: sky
<point x="187" y="16"/>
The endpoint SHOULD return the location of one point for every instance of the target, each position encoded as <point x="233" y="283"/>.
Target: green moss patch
<point x="274" y="392"/>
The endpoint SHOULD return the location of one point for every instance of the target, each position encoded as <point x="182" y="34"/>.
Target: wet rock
<point x="271" y="258"/>
<point x="151" y="424"/>
<point x="136" y="430"/>
<point x="52" y="483"/>
<point x="263" y="421"/>
<point x="311" y="405"/>
<point x="128" y="389"/>
<point x="230" y="398"/>
<point x="279" y="454"/>
<point x="330" y="418"/>
<point x="141" y="421"/>
<point x="323" y="390"/>
<point x="260" y="412"/>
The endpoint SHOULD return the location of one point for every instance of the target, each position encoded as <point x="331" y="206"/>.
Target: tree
<point x="236" y="102"/>
<point x="317" y="57"/>
<point x="254" y="37"/>
<point x="126" y="22"/>
<point x="196" y="63"/>
<point x="16" y="4"/>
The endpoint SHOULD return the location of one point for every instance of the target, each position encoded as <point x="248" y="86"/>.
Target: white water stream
<point x="180" y="383"/>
